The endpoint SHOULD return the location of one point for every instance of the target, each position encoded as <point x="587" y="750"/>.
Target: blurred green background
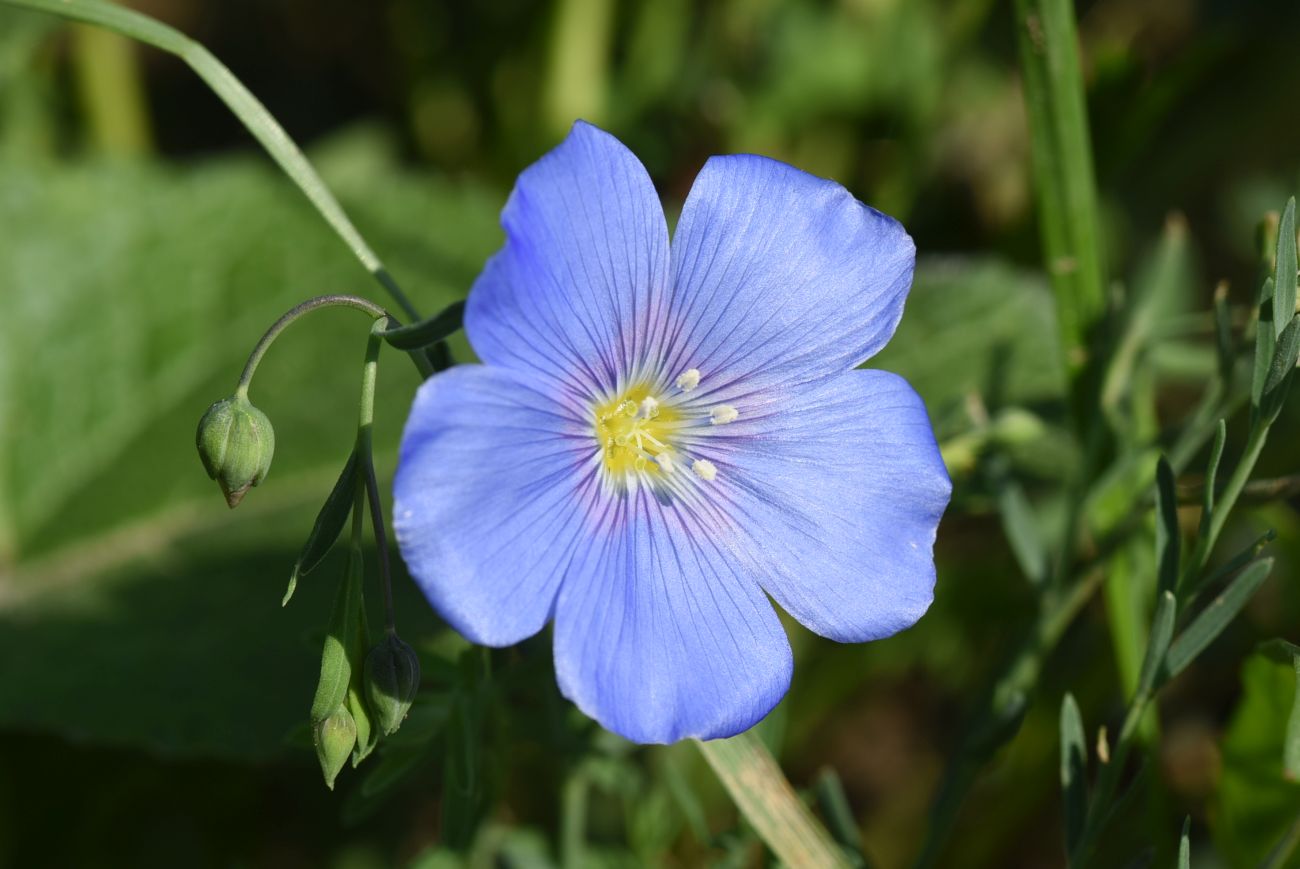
<point x="153" y="692"/>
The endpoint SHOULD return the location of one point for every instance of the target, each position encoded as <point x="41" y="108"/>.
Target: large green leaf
<point x="134" y="607"/>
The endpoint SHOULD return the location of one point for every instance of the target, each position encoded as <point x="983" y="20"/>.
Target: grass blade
<point x="1062" y="167"/>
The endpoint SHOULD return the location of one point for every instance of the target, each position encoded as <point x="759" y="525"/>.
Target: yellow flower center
<point x="634" y="432"/>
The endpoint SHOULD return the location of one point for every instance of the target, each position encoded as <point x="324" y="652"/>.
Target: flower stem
<point x="336" y="300"/>
<point x="364" y="456"/>
<point x="751" y="775"/>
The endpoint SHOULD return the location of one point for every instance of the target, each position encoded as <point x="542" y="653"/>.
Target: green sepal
<point x="367" y="733"/>
<point x="236" y="443"/>
<point x="392" y="677"/>
<point x="329" y="524"/>
<point x="336" y="663"/>
<point x="334" y="737"/>
<point x="428" y="332"/>
<point x="358" y="640"/>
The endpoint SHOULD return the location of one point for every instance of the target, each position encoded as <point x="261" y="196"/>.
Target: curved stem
<point x="268" y="338"/>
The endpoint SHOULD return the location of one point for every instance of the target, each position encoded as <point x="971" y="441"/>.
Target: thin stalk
<point x="369" y="378"/>
<point x="243" y="104"/>
<point x="759" y="789"/>
<point x="329" y="301"/>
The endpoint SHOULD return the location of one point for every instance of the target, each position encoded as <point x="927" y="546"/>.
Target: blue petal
<point x="840" y="488"/>
<point x="780" y="278"/>
<point x="494" y="479"/>
<point x="662" y="637"/>
<point x="578" y="291"/>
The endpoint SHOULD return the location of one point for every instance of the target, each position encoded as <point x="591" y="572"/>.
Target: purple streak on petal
<point x="780" y="278"/>
<point x="494" y="489"/>
<point x="658" y="636"/>
<point x="839" y="490"/>
<point x="578" y="291"/>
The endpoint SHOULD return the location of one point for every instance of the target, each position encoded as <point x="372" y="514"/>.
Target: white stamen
<point x="704" y="469"/>
<point x="665" y="462"/>
<point x="649" y="407"/>
<point x="723" y="414"/>
<point x="688" y="379"/>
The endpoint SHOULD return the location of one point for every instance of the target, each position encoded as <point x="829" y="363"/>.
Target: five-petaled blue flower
<point x="660" y="435"/>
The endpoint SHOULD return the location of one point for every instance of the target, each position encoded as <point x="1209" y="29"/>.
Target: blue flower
<point x="662" y="436"/>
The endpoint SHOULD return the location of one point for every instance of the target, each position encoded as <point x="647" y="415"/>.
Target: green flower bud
<point x="235" y="442"/>
<point x="334" y="738"/>
<point x="392" y="677"/>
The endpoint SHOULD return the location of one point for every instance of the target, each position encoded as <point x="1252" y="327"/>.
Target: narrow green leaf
<point x="1229" y="567"/>
<point x="1285" y="271"/>
<point x="1265" y="342"/>
<point x="1211" y="475"/>
<point x="1277" y="381"/>
<point x="425" y="333"/>
<point x="1074" y="766"/>
<point x="1168" y="540"/>
<point x="1211" y="621"/>
<point x="1021" y="528"/>
<point x="1185" y="845"/>
<point x="329" y="524"/>
<point x="1162" y="631"/>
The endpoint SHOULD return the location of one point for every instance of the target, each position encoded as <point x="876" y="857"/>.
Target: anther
<point x="704" y="469"/>
<point x="665" y="462"/>
<point x="649" y="407"/>
<point x="723" y="414"/>
<point x="688" y="379"/>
